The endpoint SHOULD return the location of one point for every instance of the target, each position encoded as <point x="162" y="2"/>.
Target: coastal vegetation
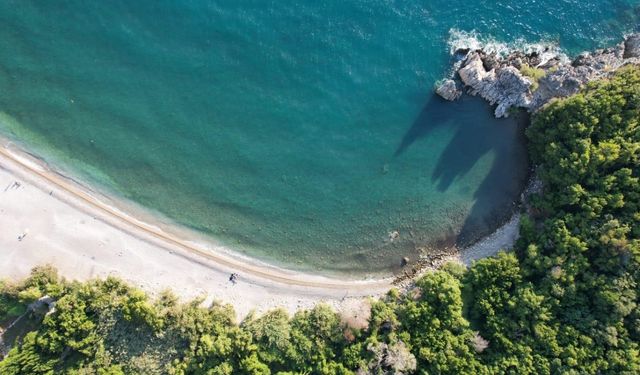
<point x="10" y="306"/>
<point x="564" y="300"/>
<point x="534" y="73"/>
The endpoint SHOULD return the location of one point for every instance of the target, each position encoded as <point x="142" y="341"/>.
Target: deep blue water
<point x="300" y="132"/>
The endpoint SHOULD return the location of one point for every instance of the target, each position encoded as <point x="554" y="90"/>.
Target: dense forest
<point x="564" y="300"/>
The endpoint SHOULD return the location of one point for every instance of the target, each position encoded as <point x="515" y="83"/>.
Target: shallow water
<point x="299" y="132"/>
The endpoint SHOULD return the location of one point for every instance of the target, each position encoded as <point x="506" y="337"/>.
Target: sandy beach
<point x="49" y="219"/>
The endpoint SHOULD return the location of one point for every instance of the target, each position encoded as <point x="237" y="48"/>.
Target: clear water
<point x="301" y="132"/>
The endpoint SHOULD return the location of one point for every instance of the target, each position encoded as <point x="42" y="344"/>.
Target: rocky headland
<point x="529" y="80"/>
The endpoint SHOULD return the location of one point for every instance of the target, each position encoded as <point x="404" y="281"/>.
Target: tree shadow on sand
<point x="476" y="134"/>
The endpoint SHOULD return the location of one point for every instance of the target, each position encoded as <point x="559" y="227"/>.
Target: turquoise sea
<point x="299" y="132"/>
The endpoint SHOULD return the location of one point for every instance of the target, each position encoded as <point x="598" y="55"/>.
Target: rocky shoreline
<point x="530" y="80"/>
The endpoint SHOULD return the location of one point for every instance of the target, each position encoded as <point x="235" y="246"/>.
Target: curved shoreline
<point x="267" y="272"/>
<point x="160" y="259"/>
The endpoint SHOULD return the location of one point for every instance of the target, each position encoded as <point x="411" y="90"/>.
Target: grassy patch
<point x="534" y="73"/>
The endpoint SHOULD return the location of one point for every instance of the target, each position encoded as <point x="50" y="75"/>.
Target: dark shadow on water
<point x="476" y="133"/>
<point x="470" y="142"/>
<point x="435" y="114"/>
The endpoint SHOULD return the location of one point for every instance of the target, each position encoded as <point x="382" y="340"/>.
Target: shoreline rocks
<point x="530" y="80"/>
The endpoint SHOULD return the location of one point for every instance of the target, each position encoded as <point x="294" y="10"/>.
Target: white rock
<point x="449" y="90"/>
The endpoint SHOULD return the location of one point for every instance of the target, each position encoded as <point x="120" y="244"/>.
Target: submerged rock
<point x="530" y="80"/>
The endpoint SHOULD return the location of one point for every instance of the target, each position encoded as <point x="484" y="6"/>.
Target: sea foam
<point x="472" y="40"/>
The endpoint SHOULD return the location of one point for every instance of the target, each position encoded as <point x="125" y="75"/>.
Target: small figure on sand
<point x="233" y="278"/>
<point x="23" y="235"/>
<point x="15" y="185"/>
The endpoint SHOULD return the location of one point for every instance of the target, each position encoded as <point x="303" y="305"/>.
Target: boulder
<point x="449" y="90"/>
<point x="490" y="62"/>
<point x="564" y="82"/>
<point x="582" y="59"/>
<point x="513" y="85"/>
<point x="632" y="46"/>
<point x="551" y="64"/>
<point x="461" y="52"/>
<point x="473" y="72"/>
<point x="506" y="87"/>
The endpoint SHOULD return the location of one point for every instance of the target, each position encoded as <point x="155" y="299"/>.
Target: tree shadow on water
<point x="475" y="134"/>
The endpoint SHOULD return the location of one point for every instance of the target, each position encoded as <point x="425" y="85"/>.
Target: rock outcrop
<point x="529" y="81"/>
<point x="505" y="87"/>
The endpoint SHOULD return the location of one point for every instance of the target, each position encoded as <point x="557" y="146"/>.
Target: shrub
<point x="534" y="73"/>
